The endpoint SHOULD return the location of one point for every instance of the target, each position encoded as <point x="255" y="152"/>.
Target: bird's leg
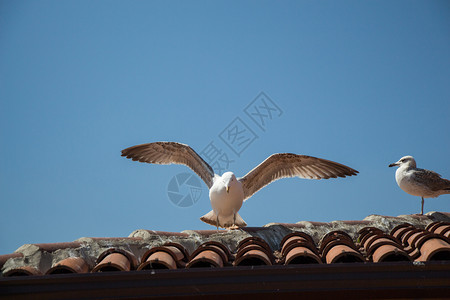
<point x="421" y="212"/>
<point x="234" y="223"/>
<point x="217" y="222"/>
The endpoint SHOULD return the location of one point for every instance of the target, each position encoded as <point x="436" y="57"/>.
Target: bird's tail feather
<point x="239" y="221"/>
<point x="211" y="218"/>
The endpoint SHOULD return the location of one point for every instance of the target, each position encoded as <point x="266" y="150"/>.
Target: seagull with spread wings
<point x="226" y="192"/>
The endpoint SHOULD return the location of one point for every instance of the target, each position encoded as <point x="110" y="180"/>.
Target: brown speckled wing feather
<point x="431" y="179"/>
<point x="282" y="165"/>
<point x="165" y="153"/>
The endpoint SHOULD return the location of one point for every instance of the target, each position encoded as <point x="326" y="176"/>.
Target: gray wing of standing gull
<point x="431" y="179"/>
<point x="283" y="165"/>
<point x="165" y="153"/>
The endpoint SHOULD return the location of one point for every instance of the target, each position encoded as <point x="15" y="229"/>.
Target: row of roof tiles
<point x="375" y="239"/>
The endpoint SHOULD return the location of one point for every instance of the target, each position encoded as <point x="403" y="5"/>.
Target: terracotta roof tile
<point x="51" y="247"/>
<point x="299" y="248"/>
<point x="69" y="265"/>
<point x="442" y="228"/>
<point x="374" y="239"/>
<point x="168" y="256"/>
<point x="254" y="251"/>
<point x="434" y="247"/>
<point x="206" y="257"/>
<point x="22" y="271"/>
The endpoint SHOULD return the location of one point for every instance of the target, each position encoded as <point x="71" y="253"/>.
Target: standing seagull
<point x="419" y="182"/>
<point x="226" y="192"/>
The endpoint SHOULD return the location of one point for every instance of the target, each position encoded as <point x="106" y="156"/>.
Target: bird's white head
<point x="407" y="161"/>
<point x="229" y="179"/>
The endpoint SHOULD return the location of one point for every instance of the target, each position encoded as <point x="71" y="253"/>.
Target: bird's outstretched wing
<point x="165" y="153"/>
<point x="282" y="165"/>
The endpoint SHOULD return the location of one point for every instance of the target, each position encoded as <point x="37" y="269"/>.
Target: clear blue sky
<point x="358" y="82"/>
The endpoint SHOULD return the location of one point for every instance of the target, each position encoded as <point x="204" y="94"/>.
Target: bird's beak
<point x="393" y="165"/>
<point x="228" y="189"/>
